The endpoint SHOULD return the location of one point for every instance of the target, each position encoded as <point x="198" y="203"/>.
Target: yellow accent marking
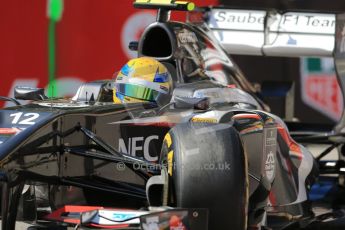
<point x="204" y="120"/>
<point x="115" y="98"/>
<point x="190" y="5"/>
<point x="168" y="140"/>
<point x="170" y="162"/>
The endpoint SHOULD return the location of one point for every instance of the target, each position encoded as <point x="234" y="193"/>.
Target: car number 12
<point x="19" y="118"/>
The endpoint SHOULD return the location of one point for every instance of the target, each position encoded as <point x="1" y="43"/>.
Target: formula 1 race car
<point x="212" y="158"/>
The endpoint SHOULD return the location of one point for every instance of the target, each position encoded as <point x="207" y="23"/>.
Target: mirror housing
<point x="29" y="93"/>
<point x="191" y="103"/>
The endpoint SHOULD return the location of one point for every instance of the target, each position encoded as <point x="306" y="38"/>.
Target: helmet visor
<point x="137" y="91"/>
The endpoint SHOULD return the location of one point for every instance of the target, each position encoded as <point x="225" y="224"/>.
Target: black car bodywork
<point x="93" y="152"/>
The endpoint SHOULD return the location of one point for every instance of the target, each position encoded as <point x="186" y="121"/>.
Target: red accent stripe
<point x="246" y="116"/>
<point x="272" y="198"/>
<point x="231" y="86"/>
<point x="9" y="131"/>
<point x="293" y="146"/>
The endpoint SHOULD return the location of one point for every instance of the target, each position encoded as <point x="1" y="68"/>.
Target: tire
<point x="190" y="152"/>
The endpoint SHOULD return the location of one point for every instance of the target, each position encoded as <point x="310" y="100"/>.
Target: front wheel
<point x="208" y="169"/>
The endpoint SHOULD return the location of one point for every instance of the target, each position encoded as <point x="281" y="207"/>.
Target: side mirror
<point x="133" y="45"/>
<point x="29" y="93"/>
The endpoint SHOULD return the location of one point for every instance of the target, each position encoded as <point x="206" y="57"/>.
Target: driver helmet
<point x="143" y="79"/>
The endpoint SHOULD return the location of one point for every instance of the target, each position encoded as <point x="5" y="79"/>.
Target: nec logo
<point x="138" y="146"/>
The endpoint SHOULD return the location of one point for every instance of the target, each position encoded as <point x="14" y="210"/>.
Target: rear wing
<point x="287" y="34"/>
<point x="259" y="32"/>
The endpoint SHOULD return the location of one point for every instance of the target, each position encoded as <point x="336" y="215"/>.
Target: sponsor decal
<point x="123" y="216"/>
<point x="270" y="148"/>
<point x="204" y="119"/>
<point x="184" y="36"/>
<point x="311" y="21"/>
<point x="168" y="220"/>
<point x="269" y="166"/>
<point x="289" y="22"/>
<point x="138" y="146"/>
<point x="320" y="89"/>
<point x="108" y="217"/>
<point x="251" y="19"/>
